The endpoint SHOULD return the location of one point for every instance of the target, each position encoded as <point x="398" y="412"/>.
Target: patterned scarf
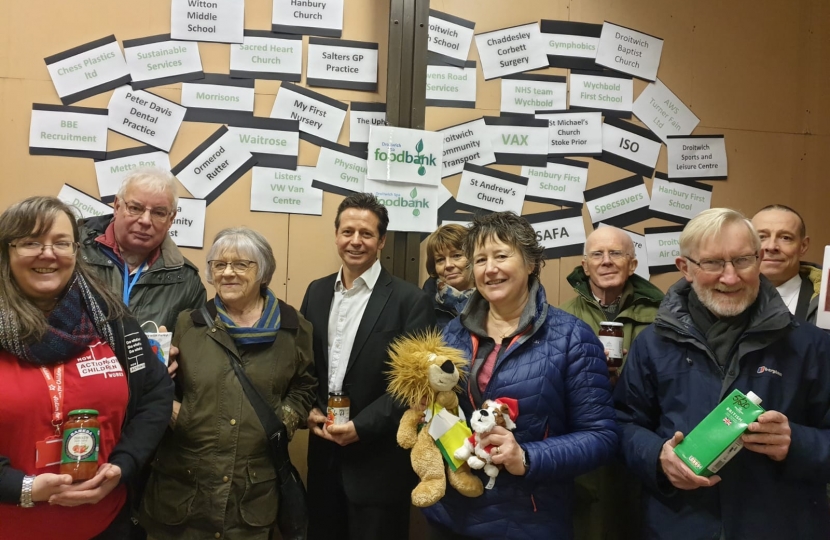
<point x="264" y="331"/>
<point x="76" y="322"/>
<point x="452" y="299"/>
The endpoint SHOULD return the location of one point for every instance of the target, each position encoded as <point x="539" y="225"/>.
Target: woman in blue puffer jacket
<point x="553" y="365"/>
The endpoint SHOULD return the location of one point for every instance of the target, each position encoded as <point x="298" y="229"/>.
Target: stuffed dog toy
<point x="500" y="412"/>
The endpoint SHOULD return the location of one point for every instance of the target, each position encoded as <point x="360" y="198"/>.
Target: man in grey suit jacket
<point x="359" y="480"/>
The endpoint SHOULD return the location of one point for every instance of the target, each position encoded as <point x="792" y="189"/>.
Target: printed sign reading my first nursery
<point x="411" y="156"/>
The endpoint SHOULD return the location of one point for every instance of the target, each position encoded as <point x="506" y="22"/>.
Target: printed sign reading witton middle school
<point x="207" y="20"/>
<point x="411" y="156"/>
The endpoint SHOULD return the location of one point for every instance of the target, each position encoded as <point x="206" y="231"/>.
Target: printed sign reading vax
<point x="518" y="140"/>
<point x="619" y="203"/>
<point x="145" y="117"/>
<point x="158" y="60"/>
<point x="571" y="44"/>
<point x="562" y="182"/>
<point x="511" y="50"/>
<point x="629" y="51"/>
<point x="449" y="37"/>
<point x="285" y="192"/>
<point x="468" y="142"/>
<point x="573" y="134"/>
<point x="120" y="163"/>
<point x="411" y="208"/>
<point x="68" y="131"/>
<point x="526" y="94"/>
<point x="491" y="189"/>
<point x="340" y="170"/>
<point x="561" y="232"/>
<point x="679" y="201"/>
<point x="410" y="156"/>
<point x="314" y="17"/>
<point x="701" y="157"/>
<point x="207" y="20"/>
<point x="611" y="94"/>
<point x="663" y="245"/>
<point x="265" y="55"/>
<point x="336" y="63"/>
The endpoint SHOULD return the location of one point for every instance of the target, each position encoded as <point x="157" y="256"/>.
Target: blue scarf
<point x="264" y="331"/>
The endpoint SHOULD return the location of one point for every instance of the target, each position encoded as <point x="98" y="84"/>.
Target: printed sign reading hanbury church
<point x="409" y="156"/>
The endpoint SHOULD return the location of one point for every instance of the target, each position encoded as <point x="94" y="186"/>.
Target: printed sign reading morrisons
<point x="410" y="156"/>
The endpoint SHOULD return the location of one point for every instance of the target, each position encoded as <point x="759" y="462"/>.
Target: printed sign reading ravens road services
<point x="518" y="140"/>
<point x="571" y="44"/>
<point x="88" y="70"/>
<point x="561" y="232"/>
<point x="321" y="118"/>
<point x="218" y="99"/>
<point x="158" y="60"/>
<point x="451" y="86"/>
<point x="265" y="55"/>
<point x="619" y="203"/>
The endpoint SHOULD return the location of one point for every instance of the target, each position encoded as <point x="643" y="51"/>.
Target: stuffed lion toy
<point x="426" y="371"/>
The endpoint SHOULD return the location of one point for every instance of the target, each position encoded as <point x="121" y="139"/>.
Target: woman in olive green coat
<point x="212" y="476"/>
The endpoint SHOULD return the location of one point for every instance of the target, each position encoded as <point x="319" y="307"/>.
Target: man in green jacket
<point x="607" y="289"/>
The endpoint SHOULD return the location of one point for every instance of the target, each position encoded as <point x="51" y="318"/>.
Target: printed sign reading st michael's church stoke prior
<point x="619" y="203"/>
<point x="158" y="60"/>
<point x="561" y="232"/>
<point x="491" y="189"/>
<point x="411" y="156"/>
<point x="336" y="63"/>
<point x="88" y="70"/>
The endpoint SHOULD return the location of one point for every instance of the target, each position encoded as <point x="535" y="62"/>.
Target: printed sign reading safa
<point x="410" y="156"/>
<point x="411" y="208"/>
<point x="561" y="232"/>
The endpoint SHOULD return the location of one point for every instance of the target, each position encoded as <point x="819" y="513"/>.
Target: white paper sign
<point x="663" y="113"/>
<point x="361" y="117"/>
<point x="597" y="92"/>
<point x="630" y="145"/>
<point x="629" y="51"/>
<point x="285" y="192"/>
<point x="518" y="142"/>
<point x="526" y="96"/>
<point x="218" y="96"/>
<point x="267" y="141"/>
<point x="697" y="157"/>
<point x="468" y="142"/>
<point x="161" y="60"/>
<point x="491" y="189"/>
<point x="511" y="50"/>
<point x="574" y="134"/>
<point x="663" y="248"/>
<point x="111" y="172"/>
<point x="450" y="86"/>
<point x="449" y="36"/>
<point x="618" y="203"/>
<point x="188" y="229"/>
<point x="262" y="56"/>
<point x="677" y="199"/>
<point x="85" y="205"/>
<point x="203" y="173"/>
<point x="68" y="128"/>
<point x="571" y="45"/>
<point x="410" y="156"/>
<point x="318" y="115"/>
<point x="411" y="208"/>
<point x="315" y="17"/>
<point x="639" y="249"/>
<point x="558" y="234"/>
<point x="145" y="117"/>
<point x="337" y="63"/>
<point x="340" y="170"/>
<point x="823" y="314"/>
<point x="207" y="20"/>
<point x="89" y="69"/>
<point x="564" y="180"/>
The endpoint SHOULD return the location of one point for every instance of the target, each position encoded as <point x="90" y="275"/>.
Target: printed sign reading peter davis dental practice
<point x="663" y="113"/>
<point x="145" y="117"/>
<point x="629" y="51"/>
<point x="337" y="63"/>
<point x="86" y="205"/>
<point x="491" y="189"/>
<point x="207" y="20"/>
<point x="56" y="130"/>
<point x="218" y="99"/>
<point x="411" y="208"/>
<point x="466" y="143"/>
<point x="561" y="232"/>
<point x="111" y="172"/>
<point x="573" y="134"/>
<point x="518" y="140"/>
<point x="340" y="170"/>
<point x="449" y="37"/>
<point x="158" y="60"/>
<point x="511" y="50"/>
<point x="188" y="229"/>
<point x="312" y="17"/>
<point x="88" y="69"/>
<point x="284" y="191"/>
<point x="663" y="245"/>
<point x="214" y="165"/>
<point x="629" y="147"/>
<point x="528" y="93"/>
<point x="571" y="44"/>
<point x="679" y="201"/>
<point x="601" y="91"/>
<point x="410" y="156"/>
<point x="700" y="157"/>
<point x="321" y="117"/>
<point x="265" y="55"/>
<point x="274" y="142"/>
<point x="450" y="86"/>
<point x="619" y="203"/>
<point x="562" y="182"/>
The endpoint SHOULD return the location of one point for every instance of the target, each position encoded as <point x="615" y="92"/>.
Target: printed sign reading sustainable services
<point x="449" y="37"/>
<point x="312" y="17"/>
<point x="518" y="140"/>
<point x="56" y="130"/>
<point x="639" y="249"/>
<point x="218" y="98"/>
<point x="285" y="191"/>
<point x="207" y="20"/>
<point x="526" y="94"/>
<point x="663" y="245"/>
<point x="562" y="182"/>
<point x="511" y="50"/>
<point x="629" y="147"/>
<point x="272" y="141"/>
<point x="491" y="189"/>
<point x="629" y="51"/>
<point x="265" y="55"/>
<point x="158" y="60"/>
<point x="619" y="203"/>
<point x="88" y="69"/>
<point x="338" y="63"/>
<point x="701" y="157"/>
<point x="663" y="113"/>
<point x="363" y="115"/>
<point x="340" y="170"/>
<point x="188" y="228"/>
<point x="111" y="172"/>
<point x="573" y="134"/>
<point x="411" y="208"/>
<point x="561" y="232"/>
<point x="145" y="117"/>
<point x="450" y="86"/>
<point x="679" y="201"/>
<point x="571" y="44"/>
<point x="466" y="143"/>
<point x="602" y="91"/>
<point x="86" y="205"/>
<point x="321" y="117"/>
<point x="411" y="156"/>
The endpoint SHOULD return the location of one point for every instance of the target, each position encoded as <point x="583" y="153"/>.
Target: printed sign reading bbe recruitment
<point x="404" y="155"/>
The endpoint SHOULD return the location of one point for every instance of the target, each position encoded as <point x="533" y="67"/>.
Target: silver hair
<point x="628" y="243"/>
<point x="153" y="180"/>
<point x="247" y="243"/>
<point x="710" y="223"/>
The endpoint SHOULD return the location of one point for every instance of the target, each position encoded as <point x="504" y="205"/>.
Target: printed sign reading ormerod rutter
<point x="158" y="60"/>
<point x="87" y="206"/>
<point x="321" y="118"/>
<point x="337" y="63"/>
<point x="663" y="245"/>
<point x="518" y="140"/>
<point x="701" y="157"/>
<point x="412" y="208"/>
<point x="629" y="51"/>
<point x="340" y="170"/>
<point x="562" y="182"/>
<point x="285" y="192"/>
<point x="573" y="134"/>
<point x="561" y="232"/>
<point x="679" y="201"/>
<point x="619" y="203"/>
<point x="56" y="130"/>
<point x="272" y="141"/>
<point x="491" y="189"/>
<point x="451" y="86"/>
<point x="528" y="93"/>
<point x="188" y="229"/>
<point x="111" y="172"/>
<point x="468" y="142"/>
<point x="312" y="17"/>
<point x="511" y="50"/>
<point x="265" y="55"/>
<point x="411" y="156"/>
<point x="450" y="37"/>
<point x="218" y="99"/>
<point x="145" y="117"/>
<point x="629" y="147"/>
<point x="571" y="44"/>
<point x="207" y="20"/>
<point x="601" y="91"/>
<point x="88" y="70"/>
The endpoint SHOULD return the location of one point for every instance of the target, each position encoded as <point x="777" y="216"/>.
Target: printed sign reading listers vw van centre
<point x="412" y="156"/>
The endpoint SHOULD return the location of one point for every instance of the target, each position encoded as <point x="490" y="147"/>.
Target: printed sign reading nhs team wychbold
<point x="410" y="156"/>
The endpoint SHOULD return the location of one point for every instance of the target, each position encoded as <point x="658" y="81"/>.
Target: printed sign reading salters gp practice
<point x="701" y="157"/>
<point x="56" y="130"/>
<point x="320" y="116"/>
<point x="491" y="189"/>
<point x="562" y="182"/>
<point x="602" y="91"/>
<point x="639" y="249"/>
<point x="284" y="191"/>
<point x="511" y="50"/>
<point x="111" y="172"/>
<point x="88" y="69"/>
<point x="663" y="245"/>
<point x="340" y="170"/>
<point x="619" y="203"/>
<point x="188" y="228"/>
<point x="449" y="37"/>
<point x="312" y="17"/>
<point x="573" y="134"/>
<point x="629" y="147"/>
<point x="411" y="156"/>
<point x="466" y="143"/>
<point x="561" y="232"/>
<point x="629" y="51"/>
<point x="411" y="208"/>
<point x="450" y="86"/>
<point x="571" y="44"/>
<point x="207" y="20"/>
<point x="158" y="60"/>
<point x="145" y="117"/>
<point x="663" y="113"/>
<point x="265" y="55"/>
<point x="336" y="63"/>
<point x="679" y="201"/>
<point x="528" y="93"/>
<point x="86" y="205"/>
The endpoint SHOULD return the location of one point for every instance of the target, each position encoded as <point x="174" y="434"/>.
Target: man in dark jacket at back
<point x="724" y="327"/>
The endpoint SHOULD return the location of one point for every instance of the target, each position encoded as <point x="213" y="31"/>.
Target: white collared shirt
<point x="347" y="309"/>
<point x="789" y="291"/>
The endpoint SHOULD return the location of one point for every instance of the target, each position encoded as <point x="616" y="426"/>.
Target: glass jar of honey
<point x="337" y="411"/>
<point x="611" y="336"/>
<point x="81" y="438"/>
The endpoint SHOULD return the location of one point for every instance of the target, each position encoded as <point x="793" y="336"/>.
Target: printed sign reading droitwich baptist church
<point x="629" y="51"/>
<point x="411" y="156"/>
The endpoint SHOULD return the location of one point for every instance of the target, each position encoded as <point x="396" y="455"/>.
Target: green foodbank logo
<point x="405" y="157"/>
<point x="399" y="201"/>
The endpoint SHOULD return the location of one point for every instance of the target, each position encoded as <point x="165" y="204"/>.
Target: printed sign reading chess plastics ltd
<point x="56" y="130"/>
<point x="207" y="20"/>
<point x="145" y="117"/>
<point x="214" y="166"/>
<point x="619" y="203"/>
<point x="663" y="113"/>
<point x="450" y="86"/>
<point x="639" y="249"/>
<point x="699" y="157"/>
<point x="218" y="99"/>
<point x="284" y="191"/>
<point x="321" y="117"/>
<point x="337" y="63"/>
<point x="629" y="147"/>
<point x="511" y="50"/>
<point x="158" y="60"/>
<point x="274" y="142"/>
<point x="573" y="134"/>
<point x="86" y="205"/>
<point x="466" y="143"/>
<point x="491" y="189"/>
<point x="518" y="140"/>
<point x="120" y="163"/>
<point x="571" y="45"/>
<point x="340" y="170"/>
<point x="528" y="93"/>
<point x="411" y="208"/>
<point x="629" y="51"/>
<point x="363" y="115"/>
<point x="313" y="17"/>
<point x="88" y="69"/>
<point x="663" y="245"/>
<point x="265" y="55"/>
<point x="562" y="182"/>
<point x="679" y="201"/>
<point x="449" y="37"/>
<point x="601" y="91"/>
<point x="561" y="232"/>
<point x="411" y="156"/>
<point x="188" y="229"/>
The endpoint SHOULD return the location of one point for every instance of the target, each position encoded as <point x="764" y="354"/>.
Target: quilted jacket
<point x="557" y="372"/>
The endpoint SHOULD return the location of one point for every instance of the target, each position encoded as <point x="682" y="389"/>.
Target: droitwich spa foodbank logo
<point x="396" y="200"/>
<point x="393" y="152"/>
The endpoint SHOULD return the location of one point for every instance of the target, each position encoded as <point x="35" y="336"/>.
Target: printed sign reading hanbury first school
<point x="412" y="156"/>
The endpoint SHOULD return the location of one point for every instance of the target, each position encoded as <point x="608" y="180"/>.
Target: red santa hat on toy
<point x="512" y="411"/>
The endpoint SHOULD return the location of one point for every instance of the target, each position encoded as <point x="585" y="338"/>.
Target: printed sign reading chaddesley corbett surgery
<point x="511" y="50"/>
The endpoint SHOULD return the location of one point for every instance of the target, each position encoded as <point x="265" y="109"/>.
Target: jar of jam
<point x="337" y="411"/>
<point x="81" y="437"/>
<point x="611" y="336"/>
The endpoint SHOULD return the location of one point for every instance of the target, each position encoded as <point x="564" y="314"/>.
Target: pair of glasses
<point x="600" y="255"/>
<point x="716" y="266"/>
<point x="33" y="249"/>
<point x="159" y="215"/>
<point x="237" y="267"/>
